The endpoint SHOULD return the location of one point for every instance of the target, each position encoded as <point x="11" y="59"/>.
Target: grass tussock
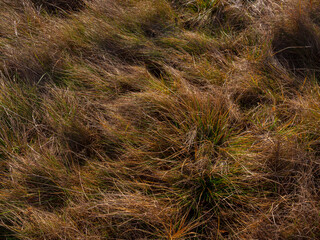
<point x="159" y="119"/>
<point x="296" y="40"/>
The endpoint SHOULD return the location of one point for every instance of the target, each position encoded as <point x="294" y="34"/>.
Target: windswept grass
<point x="162" y="119"/>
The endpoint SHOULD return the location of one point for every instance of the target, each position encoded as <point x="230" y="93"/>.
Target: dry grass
<point x="159" y="119"/>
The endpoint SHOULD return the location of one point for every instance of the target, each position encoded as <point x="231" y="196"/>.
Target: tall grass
<point x="159" y="119"/>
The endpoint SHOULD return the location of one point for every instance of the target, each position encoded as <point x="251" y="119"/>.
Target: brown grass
<point x="159" y="119"/>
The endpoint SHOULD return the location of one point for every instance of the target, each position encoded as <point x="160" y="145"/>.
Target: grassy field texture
<point x="159" y="119"/>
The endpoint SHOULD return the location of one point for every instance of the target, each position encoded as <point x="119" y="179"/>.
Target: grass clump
<point x="296" y="39"/>
<point x="214" y="14"/>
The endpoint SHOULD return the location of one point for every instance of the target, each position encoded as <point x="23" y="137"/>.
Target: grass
<point x="159" y="119"/>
